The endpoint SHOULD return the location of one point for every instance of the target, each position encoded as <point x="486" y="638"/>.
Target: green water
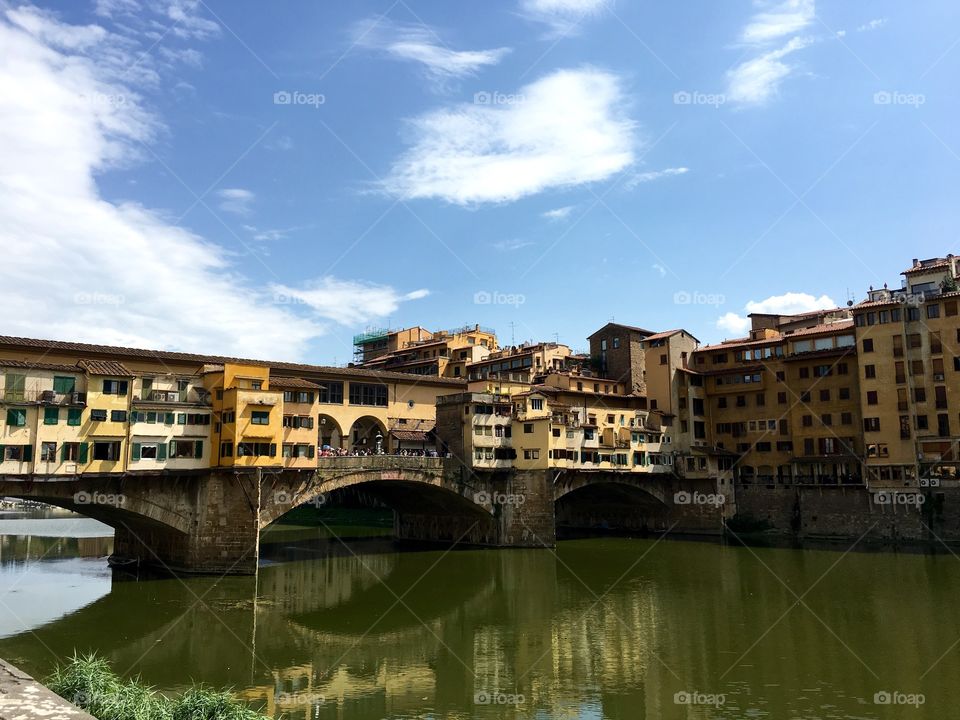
<point x="601" y="628"/>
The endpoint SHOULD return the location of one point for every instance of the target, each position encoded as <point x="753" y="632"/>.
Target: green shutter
<point x="273" y="449"/>
<point x="198" y="449"/>
<point x="63" y="385"/>
<point x="74" y="415"/>
<point x="161" y="451"/>
<point x="63" y="452"/>
<point x="27" y="453"/>
<point x="310" y="451"/>
<point x="181" y="418"/>
<point x="136" y="451"/>
<point x="168" y="419"/>
<point x="51" y="416"/>
<point x="122" y="387"/>
<point x="82" y="455"/>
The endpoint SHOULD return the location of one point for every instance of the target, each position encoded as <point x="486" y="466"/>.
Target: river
<point x="599" y="628"/>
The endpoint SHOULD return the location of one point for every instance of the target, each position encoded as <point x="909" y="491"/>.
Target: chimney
<point x="916" y="262"/>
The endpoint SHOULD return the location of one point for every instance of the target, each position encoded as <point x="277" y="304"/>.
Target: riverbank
<point x="23" y="698"/>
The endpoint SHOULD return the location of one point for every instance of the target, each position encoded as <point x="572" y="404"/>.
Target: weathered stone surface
<point x="23" y="698"/>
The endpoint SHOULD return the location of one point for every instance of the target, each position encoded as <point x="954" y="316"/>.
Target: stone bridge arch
<point x="656" y="488"/>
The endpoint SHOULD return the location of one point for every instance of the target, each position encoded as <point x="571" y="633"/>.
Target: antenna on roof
<point x="556" y="338"/>
<point x="513" y="340"/>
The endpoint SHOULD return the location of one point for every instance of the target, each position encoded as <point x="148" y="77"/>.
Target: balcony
<point x="170" y="397"/>
<point x="42" y="397"/>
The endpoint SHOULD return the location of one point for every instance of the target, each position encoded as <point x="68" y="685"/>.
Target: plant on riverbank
<point x="88" y="681"/>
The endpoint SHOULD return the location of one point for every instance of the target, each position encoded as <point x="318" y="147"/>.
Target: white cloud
<point x="511" y="245"/>
<point x="562" y="16"/>
<point x="733" y="324"/>
<point x="81" y="268"/>
<point x="236" y="200"/>
<point x="557" y="214"/>
<point x="569" y="129"/>
<point x="791" y="303"/>
<point x="347" y="301"/>
<point x="650" y="176"/>
<point x="872" y="25"/>
<point x="788" y="18"/>
<point x="188" y="20"/>
<point x="758" y="79"/>
<point x="421" y="44"/>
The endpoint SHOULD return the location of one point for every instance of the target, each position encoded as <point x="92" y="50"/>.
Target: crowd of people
<point x="328" y="451"/>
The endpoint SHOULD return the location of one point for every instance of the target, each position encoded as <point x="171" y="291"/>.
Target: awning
<point x="411" y="435"/>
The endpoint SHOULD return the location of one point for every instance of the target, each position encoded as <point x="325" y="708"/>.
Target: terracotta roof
<point x="28" y="365"/>
<point x="824" y="328"/>
<point x="105" y="367"/>
<point x="632" y="328"/>
<point x="894" y="301"/>
<point x="292" y="382"/>
<point x="941" y="263"/>
<point x="62" y="346"/>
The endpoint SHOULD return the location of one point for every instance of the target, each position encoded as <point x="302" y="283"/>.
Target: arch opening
<point x="608" y="507"/>
<point x="369" y="435"/>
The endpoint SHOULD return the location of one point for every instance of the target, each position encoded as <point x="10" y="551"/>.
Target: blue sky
<point x="269" y="179"/>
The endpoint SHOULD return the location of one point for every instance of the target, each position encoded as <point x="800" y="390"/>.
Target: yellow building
<point x="445" y="353"/>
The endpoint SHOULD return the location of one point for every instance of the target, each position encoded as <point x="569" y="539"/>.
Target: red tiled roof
<point x="292" y="383"/>
<point x="632" y="328"/>
<point x="105" y="367"/>
<point x="62" y="346"/>
<point x="941" y="263"/>
<point x="28" y="365"/>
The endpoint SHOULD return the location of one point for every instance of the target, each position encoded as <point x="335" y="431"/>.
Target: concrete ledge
<point x="23" y="698"/>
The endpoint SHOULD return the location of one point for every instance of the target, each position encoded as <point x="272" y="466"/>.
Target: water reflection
<point x="606" y="628"/>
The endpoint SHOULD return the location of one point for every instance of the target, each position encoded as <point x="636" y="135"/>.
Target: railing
<point x="381" y="462"/>
<point x="45" y="397"/>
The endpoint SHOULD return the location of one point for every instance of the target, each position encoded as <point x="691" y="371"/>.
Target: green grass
<point x="90" y="683"/>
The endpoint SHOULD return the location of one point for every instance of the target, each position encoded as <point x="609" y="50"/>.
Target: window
<point x="260" y="417"/>
<point x="936" y="345"/>
<point x="202" y="418"/>
<point x="118" y="416"/>
<point x="761" y="400"/>
<point x="844" y="393"/>
<point x="871" y="424"/>
<point x="18" y="453"/>
<point x="616" y="343"/>
<point x="186" y="449"/>
<point x="872" y="397"/>
<point x="226" y="449"/>
<point x="663" y="358"/>
<point x="98" y="415"/>
<point x="146" y="451"/>
<point x="17" y="417"/>
<point x="305" y="397"/>
<point x="14" y="385"/>
<point x="108" y="450"/>
<point x="868" y="345"/>
<point x="528" y="428"/>
<point x="916" y="367"/>
<point x="846" y="418"/>
<point x="804" y="373"/>
<point x="807" y="421"/>
<point x="914" y="341"/>
<point x="114" y="387"/>
<point x="825" y="395"/>
<point x="780" y="376"/>
<point x="70" y="452"/>
<point x="805" y="396"/>
<point x="249" y="449"/>
<point x="933" y="310"/>
<point x="63" y="384"/>
<point x="721" y="402"/>
<point x="531" y="454"/>
<point x="922" y="422"/>
<point x="698" y="406"/>
<point x="368" y="394"/>
<point x="330" y="392"/>
<point x="826" y="419"/>
<point x="919" y="394"/>
<point x="870" y="371"/>
<point x="782" y="398"/>
<point x="536" y="404"/>
<point x="51" y="416"/>
<point x="48" y="452"/>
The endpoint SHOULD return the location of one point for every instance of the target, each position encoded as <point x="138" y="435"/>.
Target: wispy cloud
<point x="421" y="44"/>
<point x="236" y="200"/>
<point x="758" y="79"/>
<point x="67" y="114"/>
<point x="347" y="301"/>
<point x="563" y="17"/>
<point x="557" y="214"/>
<point x="511" y="245"/>
<point x="651" y="175"/>
<point x="872" y="25"/>
<point x="570" y="129"/>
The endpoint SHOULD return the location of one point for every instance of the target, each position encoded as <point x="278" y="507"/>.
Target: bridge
<point x="209" y="521"/>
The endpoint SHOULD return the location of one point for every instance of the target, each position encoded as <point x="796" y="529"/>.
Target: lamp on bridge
<point x="379" y="439"/>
